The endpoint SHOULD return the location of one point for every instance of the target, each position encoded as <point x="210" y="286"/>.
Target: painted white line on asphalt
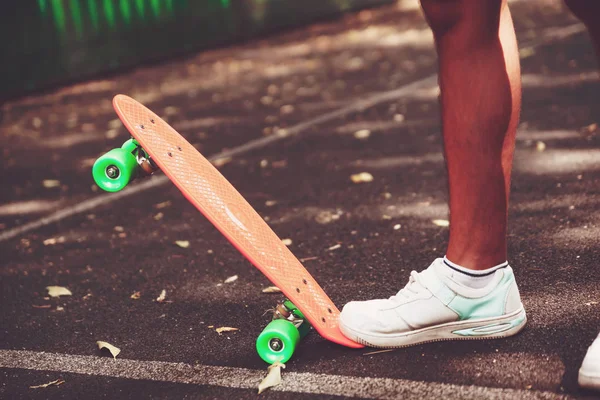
<point x="547" y="35"/>
<point x="243" y="378"/>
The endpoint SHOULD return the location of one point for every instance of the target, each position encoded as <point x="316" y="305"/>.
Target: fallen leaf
<point x="111" y="133"/>
<point x="171" y="110"/>
<point x="119" y="229"/>
<point x="114" y="123"/>
<point x="592" y="127"/>
<point x="136" y="296"/>
<point x="397" y="226"/>
<point x="37" y="122"/>
<point x="164" y="204"/>
<point x="287" y="242"/>
<point x="286" y="109"/>
<point x="526" y="52"/>
<point x="162" y="296"/>
<point x="158" y="216"/>
<point x="231" y="279"/>
<point x="399" y="118"/>
<point x="45" y="385"/>
<point x="50" y="183"/>
<point x="113" y="350"/>
<point x="219" y="162"/>
<point x="226" y="329"/>
<point x="183" y="243"/>
<point x="362" y="134"/>
<point x="361" y="177"/>
<point x="540" y="146"/>
<point x="273" y="377"/>
<point x="53" y="241"/>
<point x="57" y="291"/>
<point x="271" y="289"/>
<point x="441" y="222"/>
<point x="270" y="203"/>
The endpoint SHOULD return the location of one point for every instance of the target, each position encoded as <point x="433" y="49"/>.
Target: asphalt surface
<point x="312" y="82"/>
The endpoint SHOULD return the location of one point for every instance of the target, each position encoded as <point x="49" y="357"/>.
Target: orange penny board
<point x="204" y="186"/>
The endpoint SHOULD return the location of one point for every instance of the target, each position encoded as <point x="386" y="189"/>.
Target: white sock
<point x="475" y="279"/>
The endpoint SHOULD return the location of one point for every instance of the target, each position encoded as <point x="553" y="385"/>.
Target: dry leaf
<point x="114" y="123"/>
<point x="57" y="291"/>
<point x="183" y="243"/>
<point x="270" y="203"/>
<point x="399" y="118"/>
<point x="286" y="109"/>
<point x="592" y="127"/>
<point x="45" y="385"/>
<point x="271" y="289"/>
<point x="231" y="279"/>
<point x="164" y="204"/>
<point x="362" y="177"/>
<point x="540" y="146"/>
<point x="53" y="241"/>
<point x="162" y="296"/>
<point x="113" y="350"/>
<point x="136" y="295"/>
<point x="273" y="378"/>
<point x="226" y="329"/>
<point x="219" y="162"/>
<point x="362" y="134"/>
<point x="441" y="222"/>
<point x="526" y="52"/>
<point x="111" y="133"/>
<point x="287" y="242"/>
<point x="397" y="226"/>
<point x="158" y="216"/>
<point x="51" y="183"/>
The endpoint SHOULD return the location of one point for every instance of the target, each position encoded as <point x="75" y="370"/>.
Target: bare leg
<point x="481" y="100"/>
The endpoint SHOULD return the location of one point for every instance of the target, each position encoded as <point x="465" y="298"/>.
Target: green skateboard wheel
<point x="277" y="341"/>
<point x="114" y="170"/>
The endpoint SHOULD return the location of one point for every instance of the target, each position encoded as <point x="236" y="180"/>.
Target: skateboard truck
<point x="115" y="169"/>
<point x="280" y="337"/>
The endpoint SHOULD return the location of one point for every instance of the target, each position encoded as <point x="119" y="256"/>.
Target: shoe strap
<point x="436" y="286"/>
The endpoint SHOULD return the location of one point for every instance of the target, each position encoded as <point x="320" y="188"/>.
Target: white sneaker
<point x="434" y="307"/>
<point x="589" y="373"/>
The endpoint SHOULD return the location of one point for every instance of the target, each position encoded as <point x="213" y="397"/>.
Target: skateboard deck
<point x="208" y="190"/>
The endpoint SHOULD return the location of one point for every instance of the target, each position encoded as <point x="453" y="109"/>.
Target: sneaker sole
<point x="588" y="381"/>
<point x="485" y="328"/>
